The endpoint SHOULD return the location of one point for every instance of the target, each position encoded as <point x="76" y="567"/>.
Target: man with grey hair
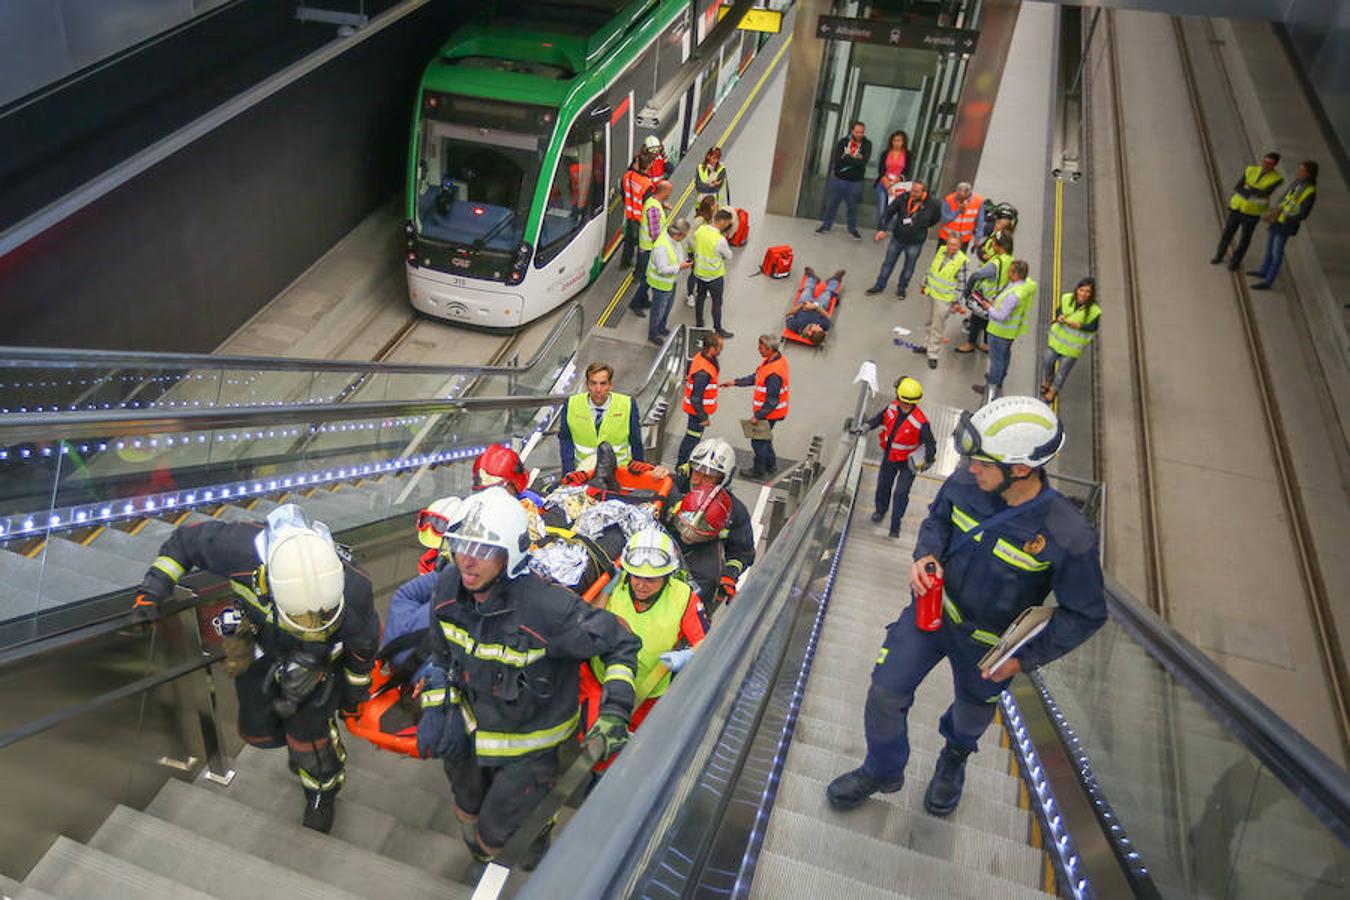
<point x="663" y="270"/>
<point x="962" y="216"/>
<point x="770" y="405"/>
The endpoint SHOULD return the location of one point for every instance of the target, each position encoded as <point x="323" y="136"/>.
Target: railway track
<point x="1267" y="415"/>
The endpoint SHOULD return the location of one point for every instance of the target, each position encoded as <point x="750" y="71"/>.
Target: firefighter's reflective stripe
<point x="963" y="520"/>
<point x="315" y="784"/>
<point x="620" y="672"/>
<point x="488" y="744"/>
<point x="433" y="698"/>
<point x="355" y="677"/>
<point x="979" y="634"/>
<point x="490" y="652"/>
<point x="881" y="657"/>
<point x="245" y="593"/>
<point x="169" y="567"/>
<point x="1019" y="558"/>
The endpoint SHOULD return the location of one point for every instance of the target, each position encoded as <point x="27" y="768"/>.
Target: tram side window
<point x="577" y="193"/>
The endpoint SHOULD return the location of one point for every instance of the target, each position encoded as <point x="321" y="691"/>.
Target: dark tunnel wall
<point x="180" y="256"/>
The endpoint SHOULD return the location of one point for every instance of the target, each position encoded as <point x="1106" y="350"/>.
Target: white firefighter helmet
<point x="715" y="455"/>
<point x="491" y="520"/>
<point x="1011" y="430"/>
<point x="302" y="572"/>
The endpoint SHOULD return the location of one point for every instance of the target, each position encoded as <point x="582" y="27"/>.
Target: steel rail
<point x="1309" y="566"/>
<point x="1154" y="581"/>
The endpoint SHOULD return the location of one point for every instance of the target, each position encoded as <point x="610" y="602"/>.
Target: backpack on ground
<point x="742" y="232"/>
<point x="777" y="261"/>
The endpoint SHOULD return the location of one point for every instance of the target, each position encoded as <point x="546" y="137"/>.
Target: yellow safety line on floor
<point x="33" y="551"/>
<point x="689" y="188"/>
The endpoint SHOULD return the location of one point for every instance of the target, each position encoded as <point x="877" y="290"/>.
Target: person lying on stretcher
<point x="809" y="315"/>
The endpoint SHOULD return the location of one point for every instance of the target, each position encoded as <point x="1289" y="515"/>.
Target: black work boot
<point x="949" y="777"/>
<point x="606" y="463"/>
<point x="320" y="808"/>
<point x="849" y="790"/>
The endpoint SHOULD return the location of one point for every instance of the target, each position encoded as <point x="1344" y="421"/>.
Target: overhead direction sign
<point x="897" y="34"/>
<point x="769" y="21"/>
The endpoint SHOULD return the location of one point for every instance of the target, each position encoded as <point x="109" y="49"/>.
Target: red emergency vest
<point x="963" y="226"/>
<point x="906" y="438"/>
<point x="635" y="186"/>
<point x="701" y="363"/>
<point x="774" y="365"/>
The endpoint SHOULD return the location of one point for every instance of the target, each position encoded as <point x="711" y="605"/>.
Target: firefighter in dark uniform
<point x="499" y="693"/>
<point x="306" y="643"/>
<point x="1001" y="539"/>
<point x="714" y="566"/>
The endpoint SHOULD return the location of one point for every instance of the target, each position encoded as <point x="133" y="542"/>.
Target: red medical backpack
<point x="777" y="261"/>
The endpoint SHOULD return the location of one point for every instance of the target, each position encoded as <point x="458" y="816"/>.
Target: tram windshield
<point x="478" y="162"/>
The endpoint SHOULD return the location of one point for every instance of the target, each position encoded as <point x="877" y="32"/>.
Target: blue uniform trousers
<point x="906" y="657"/>
<point x="902" y="476"/>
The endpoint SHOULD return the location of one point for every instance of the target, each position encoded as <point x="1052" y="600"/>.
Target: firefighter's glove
<point x="576" y="478"/>
<point x="238" y="654"/>
<point x="440" y="730"/>
<point x="352" y="698"/>
<point x="297" y="679"/>
<point x="674" y="660"/>
<point x="154" y="590"/>
<point x="606" y="737"/>
<point x="726" y="591"/>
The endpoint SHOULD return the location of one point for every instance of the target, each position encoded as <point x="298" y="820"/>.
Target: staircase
<point x="889" y="847"/>
<point x="395" y="836"/>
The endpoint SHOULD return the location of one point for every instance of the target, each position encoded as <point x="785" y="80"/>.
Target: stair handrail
<point x="12" y="357"/>
<point x="619" y="821"/>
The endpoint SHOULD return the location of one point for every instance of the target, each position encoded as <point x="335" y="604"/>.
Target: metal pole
<point x="1087" y="47"/>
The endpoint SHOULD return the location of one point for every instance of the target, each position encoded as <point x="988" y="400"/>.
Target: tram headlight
<point x="519" y="264"/>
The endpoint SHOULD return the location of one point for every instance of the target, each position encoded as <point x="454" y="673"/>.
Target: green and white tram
<point x="524" y="127"/>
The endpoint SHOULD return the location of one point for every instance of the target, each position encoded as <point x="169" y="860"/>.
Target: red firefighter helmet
<point x="703" y="513"/>
<point x="499" y="465"/>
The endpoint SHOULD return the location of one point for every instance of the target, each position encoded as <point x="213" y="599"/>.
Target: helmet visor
<point x="694" y="527"/>
<point x="433" y="522"/>
<point x="967" y="438"/>
<point x="716" y="475"/>
<point x="475" y="549"/>
<point x="648" y="558"/>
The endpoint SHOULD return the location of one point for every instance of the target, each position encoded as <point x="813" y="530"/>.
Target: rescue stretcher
<point x="387" y="719"/>
<point x="788" y="333"/>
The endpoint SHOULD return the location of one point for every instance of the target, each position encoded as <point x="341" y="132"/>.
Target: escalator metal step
<point x="109" y="567"/>
<point x="199" y="863"/>
<point x="232" y="513"/>
<point x="850" y="742"/>
<point x="36" y="586"/>
<point x="289" y="844"/>
<point x="15" y="890"/>
<point x="1001" y="848"/>
<point x="778" y="876"/>
<point x="141" y="547"/>
<point x="72" y="871"/>
<point x="884" y="865"/>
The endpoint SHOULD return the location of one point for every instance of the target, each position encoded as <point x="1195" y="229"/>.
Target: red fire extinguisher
<point x="928" y="605"/>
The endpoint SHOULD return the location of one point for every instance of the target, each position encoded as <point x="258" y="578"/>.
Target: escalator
<point x="1130" y="768"/>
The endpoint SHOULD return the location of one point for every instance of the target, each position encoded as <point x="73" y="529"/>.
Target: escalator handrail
<point x="66" y="358"/>
<point x="626" y="808"/>
<point x="1312" y="776"/>
<point x="117" y="422"/>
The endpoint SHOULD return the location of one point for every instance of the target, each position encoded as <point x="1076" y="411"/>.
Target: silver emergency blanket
<point x="630" y="518"/>
<point x="560" y="561"/>
<point x="570" y="499"/>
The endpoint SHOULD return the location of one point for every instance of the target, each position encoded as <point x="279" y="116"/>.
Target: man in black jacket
<point x="847" y="168"/>
<point x="500" y="692"/>
<point x="910" y="215"/>
<point x="305" y="643"/>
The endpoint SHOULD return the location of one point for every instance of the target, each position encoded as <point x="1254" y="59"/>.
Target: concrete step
<point x="438" y="854"/>
<point x="15" y="890"/>
<point x="72" y="871"/>
<point x="778" y="876"/>
<point x="881" y="864"/>
<point x="287" y="843"/>
<point x="409" y="805"/>
<point x="200" y="863"/>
